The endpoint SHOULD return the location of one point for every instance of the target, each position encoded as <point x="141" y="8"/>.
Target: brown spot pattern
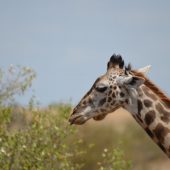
<point x="109" y="99"/>
<point x="90" y="100"/>
<point x="122" y="94"/>
<point x="149" y="85"/>
<point x="102" y="101"/>
<point x="110" y="92"/>
<point x="165" y="119"/>
<point x="127" y="101"/>
<point x="113" y="95"/>
<point x="150" y="117"/>
<point x="115" y="87"/>
<point x="147" y="103"/>
<point x="165" y="116"/>
<point x="160" y="132"/>
<point x="84" y="102"/>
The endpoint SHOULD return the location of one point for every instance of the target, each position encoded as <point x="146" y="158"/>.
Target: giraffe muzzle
<point x="80" y="115"/>
<point x="77" y="119"/>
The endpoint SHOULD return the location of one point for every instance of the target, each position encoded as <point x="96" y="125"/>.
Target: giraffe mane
<point x="153" y="87"/>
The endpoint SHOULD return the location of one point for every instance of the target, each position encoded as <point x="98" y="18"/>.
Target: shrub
<point x="42" y="139"/>
<point x="43" y="144"/>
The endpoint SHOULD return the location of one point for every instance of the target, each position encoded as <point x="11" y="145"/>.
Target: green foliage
<point x="42" y="144"/>
<point x="43" y="139"/>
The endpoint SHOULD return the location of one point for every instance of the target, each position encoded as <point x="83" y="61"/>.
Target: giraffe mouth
<point x="77" y="119"/>
<point x="80" y="116"/>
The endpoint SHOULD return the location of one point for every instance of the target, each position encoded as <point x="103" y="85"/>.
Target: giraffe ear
<point x="131" y="82"/>
<point x="144" y="70"/>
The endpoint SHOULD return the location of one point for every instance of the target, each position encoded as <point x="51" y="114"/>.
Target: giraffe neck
<point x="153" y="115"/>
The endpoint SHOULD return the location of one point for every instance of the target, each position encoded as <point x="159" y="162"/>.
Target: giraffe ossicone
<point x="144" y="70"/>
<point x="130" y="89"/>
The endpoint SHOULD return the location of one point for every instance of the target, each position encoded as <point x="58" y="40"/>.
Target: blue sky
<point x="68" y="43"/>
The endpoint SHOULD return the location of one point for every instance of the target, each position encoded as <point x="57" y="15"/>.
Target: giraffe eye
<point x="101" y="88"/>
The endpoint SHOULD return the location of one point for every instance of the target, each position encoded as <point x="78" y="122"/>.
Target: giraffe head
<point x="109" y="92"/>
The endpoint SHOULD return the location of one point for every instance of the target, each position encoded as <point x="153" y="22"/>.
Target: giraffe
<point x="130" y="89"/>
